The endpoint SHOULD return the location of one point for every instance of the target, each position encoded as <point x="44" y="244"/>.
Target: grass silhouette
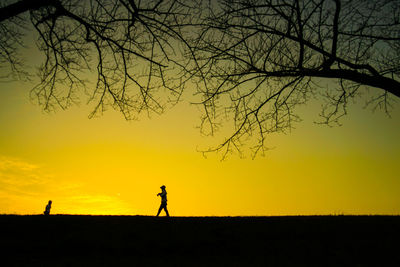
<point x="83" y="240"/>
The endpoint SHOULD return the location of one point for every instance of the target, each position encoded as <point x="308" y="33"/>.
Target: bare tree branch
<point x="132" y="43"/>
<point x="262" y="59"/>
<point x="252" y="62"/>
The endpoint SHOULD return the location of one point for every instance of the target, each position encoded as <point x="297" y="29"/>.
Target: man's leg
<point x="166" y="211"/>
<point x="159" y="210"/>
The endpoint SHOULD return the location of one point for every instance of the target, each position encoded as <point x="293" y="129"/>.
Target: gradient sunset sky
<point x="107" y="165"/>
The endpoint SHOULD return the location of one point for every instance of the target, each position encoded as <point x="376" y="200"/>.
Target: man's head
<point x="162" y="187"/>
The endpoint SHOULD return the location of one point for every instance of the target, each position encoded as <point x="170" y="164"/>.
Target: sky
<point x="107" y="165"/>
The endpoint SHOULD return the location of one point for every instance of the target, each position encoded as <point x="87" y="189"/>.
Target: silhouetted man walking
<point x="163" y="205"/>
<point x="48" y="207"/>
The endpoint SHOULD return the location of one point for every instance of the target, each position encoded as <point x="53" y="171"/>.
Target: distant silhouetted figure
<point x="48" y="207"/>
<point x="163" y="205"/>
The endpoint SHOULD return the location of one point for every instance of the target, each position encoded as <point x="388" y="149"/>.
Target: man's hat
<point x="162" y="187"/>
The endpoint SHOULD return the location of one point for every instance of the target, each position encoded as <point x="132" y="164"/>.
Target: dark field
<point x="65" y="240"/>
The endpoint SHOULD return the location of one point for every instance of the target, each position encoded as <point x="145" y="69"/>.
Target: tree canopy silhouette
<point x="258" y="60"/>
<point x="129" y="44"/>
<point x="253" y="60"/>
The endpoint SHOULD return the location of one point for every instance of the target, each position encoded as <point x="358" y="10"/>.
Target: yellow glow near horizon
<point x="110" y="166"/>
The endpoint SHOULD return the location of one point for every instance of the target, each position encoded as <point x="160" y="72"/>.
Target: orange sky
<point x="107" y="165"/>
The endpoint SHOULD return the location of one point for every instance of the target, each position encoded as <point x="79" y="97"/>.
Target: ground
<point x="78" y="240"/>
